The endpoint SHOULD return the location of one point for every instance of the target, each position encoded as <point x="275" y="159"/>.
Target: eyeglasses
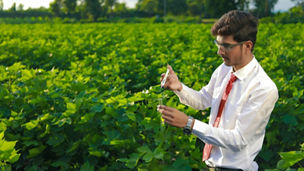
<point x="226" y="46"/>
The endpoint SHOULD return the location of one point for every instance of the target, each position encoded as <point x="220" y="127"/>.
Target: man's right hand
<point x="172" y="82"/>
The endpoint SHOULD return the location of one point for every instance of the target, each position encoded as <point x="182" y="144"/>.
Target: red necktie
<point x="208" y="147"/>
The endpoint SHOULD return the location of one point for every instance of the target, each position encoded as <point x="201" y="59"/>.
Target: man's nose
<point x="220" y="51"/>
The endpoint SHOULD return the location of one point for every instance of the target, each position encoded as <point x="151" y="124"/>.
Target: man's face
<point x="231" y="51"/>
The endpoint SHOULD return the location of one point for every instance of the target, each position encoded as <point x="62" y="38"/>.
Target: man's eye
<point x="226" y="45"/>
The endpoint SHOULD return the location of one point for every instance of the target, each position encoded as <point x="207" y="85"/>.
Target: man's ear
<point x="249" y="45"/>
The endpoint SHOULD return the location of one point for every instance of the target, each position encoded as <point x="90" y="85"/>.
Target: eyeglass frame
<point x="227" y="46"/>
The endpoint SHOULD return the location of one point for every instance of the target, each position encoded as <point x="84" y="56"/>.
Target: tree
<point x="149" y="6"/>
<point x="176" y="7"/>
<point x="55" y="7"/>
<point x="20" y="7"/>
<point x="195" y="7"/>
<point x="13" y="7"/>
<point x="160" y="7"/>
<point x="264" y="7"/>
<point x="69" y="7"/>
<point x="243" y="4"/>
<point x="1" y="5"/>
<point x="298" y="2"/>
<point x="120" y="8"/>
<point x="216" y="8"/>
<point x="92" y="9"/>
<point x="110" y="4"/>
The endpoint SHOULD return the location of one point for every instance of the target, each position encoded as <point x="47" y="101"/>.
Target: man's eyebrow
<point x="223" y="42"/>
<point x="227" y="43"/>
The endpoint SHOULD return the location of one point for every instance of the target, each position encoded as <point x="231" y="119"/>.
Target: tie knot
<point x="232" y="77"/>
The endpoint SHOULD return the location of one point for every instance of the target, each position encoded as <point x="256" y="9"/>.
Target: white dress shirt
<point x="239" y="136"/>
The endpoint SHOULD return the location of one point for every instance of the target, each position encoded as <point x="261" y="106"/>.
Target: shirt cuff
<point x="183" y="92"/>
<point x="200" y="129"/>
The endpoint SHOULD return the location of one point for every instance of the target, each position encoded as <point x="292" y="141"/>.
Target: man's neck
<point x="247" y="59"/>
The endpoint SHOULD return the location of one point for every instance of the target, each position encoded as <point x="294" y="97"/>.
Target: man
<point x="240" y="94"/>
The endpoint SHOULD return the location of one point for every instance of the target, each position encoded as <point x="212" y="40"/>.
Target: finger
<point x="163" y="111"/>
<point x="166" y="86"/>
<point x="167" y="118"/>
<point x="159" y="109"/>
<point x="170" y="69"/>
<point x="167" y="113"/>
<point x="168" y="122"/>
<point x="169" y="80"/>
<point x="162" y="77"/>
<point x="167" y="108"/>
<point x="160" y="106"/>
<point x="164" y="107"/>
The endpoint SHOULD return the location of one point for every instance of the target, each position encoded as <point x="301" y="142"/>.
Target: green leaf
<point x="60" y="163"/>
<point x="87" y="117"/>
<point x="31" y="142"/>
<point x="133" y="160"/>
<point x="3" y="128"/>
<point x="131" y="116"/>
<point x="143" y="149"/>
<point x="7" y="150"/>
<point x="148" y="156"/>
<point x="120" y="142"/>
<point x="74" y="146"/>
<point x="14" y="157"/>
<point x="26" y="75"/>
<point x="1" y="135"/>
<point x="181" y="165"/>
<point x="87" y="167"/>
<point x="290" y="119"/>
<point x="63" y="121"/>
<point x="31" y="125"/>
<point x="35" y="151"/>
<point x="290" y="158"/>
<point x="159" y="153"/>
<point x="96" y="153"/>
<point x="55" y="140"/>
<point x="266" y="154"/>
<point x="7" y="145"/>
<point x="98" y="108"/>
<point x="71" y="109"/>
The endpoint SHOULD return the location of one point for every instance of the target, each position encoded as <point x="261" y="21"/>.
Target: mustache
<point x="223" y="56"/>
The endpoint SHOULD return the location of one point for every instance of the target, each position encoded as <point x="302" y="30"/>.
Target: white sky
<point x="282" y="5"/>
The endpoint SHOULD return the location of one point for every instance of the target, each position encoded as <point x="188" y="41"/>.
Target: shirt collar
<point x="243" y="72"/>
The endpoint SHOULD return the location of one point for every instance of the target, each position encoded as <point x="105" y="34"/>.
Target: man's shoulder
<point x="222" y="69"/>
<point x="264" y="81"/>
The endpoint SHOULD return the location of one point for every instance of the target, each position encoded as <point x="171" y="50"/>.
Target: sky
<point x="282" y="5"/>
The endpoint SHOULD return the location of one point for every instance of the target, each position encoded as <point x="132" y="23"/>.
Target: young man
<point x="240" y="94"/>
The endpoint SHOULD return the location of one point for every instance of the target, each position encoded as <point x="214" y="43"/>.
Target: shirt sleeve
<point x="197" y="99"/>
<point x="250" y="124"/>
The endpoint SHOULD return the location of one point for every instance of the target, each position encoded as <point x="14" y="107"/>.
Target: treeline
<point x="96" y="10"/>
<point x="293" y="15"/>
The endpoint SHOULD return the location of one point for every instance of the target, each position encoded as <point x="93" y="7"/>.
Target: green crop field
<point x="84" y="96"/>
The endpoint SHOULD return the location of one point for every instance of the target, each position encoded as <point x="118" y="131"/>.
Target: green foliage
<point x="264" y="8"/>
<point x="293" y="15"/>
<point x="292" y="159"/>
<point x="8" y="154"/>
<point x="84" y="96"/>
<point x="216" y="8"/>
<point x="285" y="129"/>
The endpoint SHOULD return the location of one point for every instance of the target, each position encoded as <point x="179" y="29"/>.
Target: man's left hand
<point x="173" y="116"/>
